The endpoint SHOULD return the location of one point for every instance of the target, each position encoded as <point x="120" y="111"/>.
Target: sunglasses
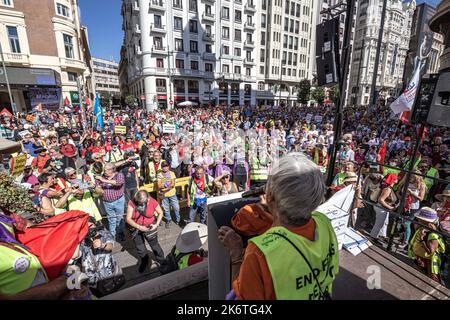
<point x="226" y="177"/>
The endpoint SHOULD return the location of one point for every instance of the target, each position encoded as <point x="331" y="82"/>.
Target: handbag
<point x="324" y="294"/>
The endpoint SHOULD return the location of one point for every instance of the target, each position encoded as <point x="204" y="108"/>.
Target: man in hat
<point x="42" y="158"/>
<point x="115" y="154"/>
<point x="442" y="207"/>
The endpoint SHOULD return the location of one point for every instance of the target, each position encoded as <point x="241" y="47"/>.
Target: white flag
<point x="406" y="101"/>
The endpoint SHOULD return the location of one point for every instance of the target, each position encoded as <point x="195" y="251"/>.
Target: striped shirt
<point x="113" y="193"/>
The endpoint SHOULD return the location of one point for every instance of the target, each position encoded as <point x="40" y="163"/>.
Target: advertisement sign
<point x="30" y="76"/>
<point x="75" y="97"/>
<point x="50" y="98"/>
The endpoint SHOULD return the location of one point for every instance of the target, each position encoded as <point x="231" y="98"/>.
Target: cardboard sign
<point x="169" y="128"/>
<point x="309" y="117"/>
<point x="18" y="165"/>
<point x="120" y="130"/>
<point x="318" y="119"/>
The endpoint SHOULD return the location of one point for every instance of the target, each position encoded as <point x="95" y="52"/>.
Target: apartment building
<point x="106" y="76"/>
<point x="240" y="52"/>
<point x="396" y="35"/>
<point x="45" y="50"/>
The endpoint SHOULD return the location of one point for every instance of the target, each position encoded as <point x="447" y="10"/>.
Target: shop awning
<point x="8" y="146"/>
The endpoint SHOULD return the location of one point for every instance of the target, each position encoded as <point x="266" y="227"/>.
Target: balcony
<point x="136" y="8"/>
<point x="249" y="78"/>
<point x="137" y="29"/>
<point x="249" y="26"/>
<point x="159" y="50"/>
<point x="209" y="75"/>
<point x="250" y="7"/>
<point x="157" y="5"/>
<point x="19" y="58"/>
<point x="209" y="1"/>
<point x="187" y="73"/>
<point x="209" y="56"/>
<point x="249" y="44"/>
<point x="161" y="89"/>
<point x="250" y="61"/>
<point x="154" y="28"/>
<point x="72" y="63"/>
<point x="155" y="72"/>
<point x="208" y="37"/>
<point x="208" y="17"/>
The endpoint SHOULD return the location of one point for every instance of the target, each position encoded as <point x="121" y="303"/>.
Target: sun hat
<point x="192" y="237"/>
<point x="427" y="214"/>
<point x="445" y="194"/>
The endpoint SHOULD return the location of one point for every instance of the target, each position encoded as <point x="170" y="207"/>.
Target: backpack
<point x="170" y="263"/>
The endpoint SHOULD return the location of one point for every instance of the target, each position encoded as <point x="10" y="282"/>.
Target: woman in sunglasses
<point x="224" y="185"/>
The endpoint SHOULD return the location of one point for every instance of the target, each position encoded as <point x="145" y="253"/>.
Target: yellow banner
<point x="18" y="165"/>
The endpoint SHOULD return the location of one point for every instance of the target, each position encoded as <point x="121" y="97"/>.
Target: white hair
<point x="296" y="187"/>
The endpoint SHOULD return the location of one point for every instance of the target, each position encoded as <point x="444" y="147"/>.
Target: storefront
<point x="29" y="87"/>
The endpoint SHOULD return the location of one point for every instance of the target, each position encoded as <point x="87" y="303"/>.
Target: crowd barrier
<point x="181" y="186"/>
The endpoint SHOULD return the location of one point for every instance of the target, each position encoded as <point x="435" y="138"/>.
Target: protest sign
<point x="318" y="119"/>
<point x="309" y="117"/>
<point x="18" y="165"/>
<point x="169" y="128"/>
<point x="120" y="130"/>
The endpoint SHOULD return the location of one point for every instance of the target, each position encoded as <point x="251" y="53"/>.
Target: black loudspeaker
<point x="424" y="98"/>
<point x="439" y="114"/>
<point x="327" y="52"/>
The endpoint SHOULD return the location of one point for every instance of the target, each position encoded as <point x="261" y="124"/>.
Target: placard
<point x="318" y="119"/>
<point x="309" y="117"/>
<point x="169" y="128"/>
<point x="120" y="130"/>
<point x="18" y="165"/>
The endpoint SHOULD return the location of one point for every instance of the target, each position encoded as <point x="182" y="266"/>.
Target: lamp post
<point x="13" y="105"/>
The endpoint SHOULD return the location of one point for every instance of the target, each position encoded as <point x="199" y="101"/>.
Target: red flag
<point x="39" y="107"/>
<point x="66" y="102"/>
<point x="87" y="101"/>
<point x="5" y="112"/>
<point x="382" y="154"/>
<point x="404" y="117"/>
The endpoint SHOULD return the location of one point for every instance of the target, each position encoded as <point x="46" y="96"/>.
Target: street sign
<point x="142" y="97"/>
<point x="171" y="102"/>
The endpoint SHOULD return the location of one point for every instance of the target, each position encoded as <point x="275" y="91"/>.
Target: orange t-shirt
<point x="254" y="281"/>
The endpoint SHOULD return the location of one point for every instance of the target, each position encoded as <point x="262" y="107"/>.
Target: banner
<point x="49" y="98"/>
<point x="120" y="130"/>
<point x="406" y="100"/>
<point x="18" y="165"/>
<point x="169" y="128"/>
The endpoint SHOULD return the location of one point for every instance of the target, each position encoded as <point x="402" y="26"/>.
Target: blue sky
<point x="103" y="19"/>
<point x="104" y="22"/>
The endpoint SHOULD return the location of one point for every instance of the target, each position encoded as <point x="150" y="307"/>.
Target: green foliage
<point x="105" y="99"/>
<point x="318" y="95"/>
<point x="304" y="91"/>
<point x="130" y="100"/>
<point x="334" y="94"/>
<point x="15" y="199"/>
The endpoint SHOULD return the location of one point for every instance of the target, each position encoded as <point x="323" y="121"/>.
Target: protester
<point x="224" y="185"/>
<point x="199" y="189"/>
<point x="167" y="194"/>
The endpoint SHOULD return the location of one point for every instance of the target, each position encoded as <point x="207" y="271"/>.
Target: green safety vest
<point x="114" y="157"/>
<point x="291" y="276"/>
<point x="259" y="172"/>
<point x="435" y="258"/>
<point x="183" y="262"/>
<point x="87" y="204"/>
<point x="430" y="182"/>
<point x="152" y="173"/>
<point x="18" y="268"/>
<point x="340" y="179"/>
<point x="416" y="164"/>
<point x="192" y="189"/>
<point x="386" y="171"/>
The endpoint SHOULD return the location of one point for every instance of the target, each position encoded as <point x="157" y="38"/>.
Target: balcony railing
<point x="157" y="5"/>
<point x="73" y="63"/>
<point x="209" y="56"/>
<point x="136" y="8"/>
<point x="187" y="72"/>
<point x="209" y="1"/>
<point x="249" y="61"/>
<point x="249" y="25"/>
<point x="17" y="58"/>
<point x="208" y="37"/>
<point x="250" y="7"/>
<point x="208" y="16"/>
<point x="159" y="49"/>
<point x="249" y="43"/>
<point x="158" y="28"/>
<point x="161" y="89"/>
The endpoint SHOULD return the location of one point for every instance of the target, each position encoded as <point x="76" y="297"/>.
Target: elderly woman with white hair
<point x="279" y="264"/>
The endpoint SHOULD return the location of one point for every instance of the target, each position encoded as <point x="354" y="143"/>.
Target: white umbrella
<point x="188" y="104"/>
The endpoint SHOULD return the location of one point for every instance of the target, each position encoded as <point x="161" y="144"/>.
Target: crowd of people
<point x="73" y="165"/>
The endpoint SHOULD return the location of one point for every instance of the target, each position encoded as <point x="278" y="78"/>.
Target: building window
<point x="238" y="16"/>
<point x="208" y="48"/>
<point x="160" y="63"/>
<point x="160" y="85"/>
<point x="193" y="86"/>
<point x="179" y="45"/>
<point x="223" y="88"/>
<point x="286" y="7"/>
<point x="68" y="46"/>
<point x="62" y="10"/>
<point x="226" y="68"/>
<point x="194" y="65"/>
<point x="13" y="37"/>
<point x="157" y="42"/>
<point x="193" y="26"/>
<point x="193" y="46"/>
<point x="237" y="69"/>
<point x="226" y="50"/>
<point x="178" y="86"/>
<point x="237" y="52"/>
<point x="263" y="21"/>
<point x="208" y="10"/>
<point x="208" y="67"/>
<point x="237" y="35"/>
<point x="247" y="89"/>
<point x="8" y="3"/>
<point x="178" y="4"/>
<point x="248" y="72"/>
<point x="208" y="30"/>
<point x="157" y="20"/>
<point x="193" y="5"/>
<point x="179" y="63"/>
<point x="226" y="13"/>
<point x="261" y="84"/>
<point x="262" y="55"/>
<point x="226" y="33"/>
<point x="178" y="23"/>
<point x="72" y="76"/>
<point x="235" y="88"/>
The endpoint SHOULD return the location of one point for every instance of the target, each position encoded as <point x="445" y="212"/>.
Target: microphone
<point x="254" y="192"/>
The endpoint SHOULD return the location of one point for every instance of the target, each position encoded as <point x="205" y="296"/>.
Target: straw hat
<point x="427" y="214"/>
<point x="445" y="194"/>
<point x="192" y="237"/>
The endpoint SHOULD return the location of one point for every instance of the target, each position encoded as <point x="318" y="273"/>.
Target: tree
<point x="130" y="100"/>
<point x="105" y="99"/>
<point x="304" y="91"/>
<point x="334" y="94"/>
<point x="318" y="95"/>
